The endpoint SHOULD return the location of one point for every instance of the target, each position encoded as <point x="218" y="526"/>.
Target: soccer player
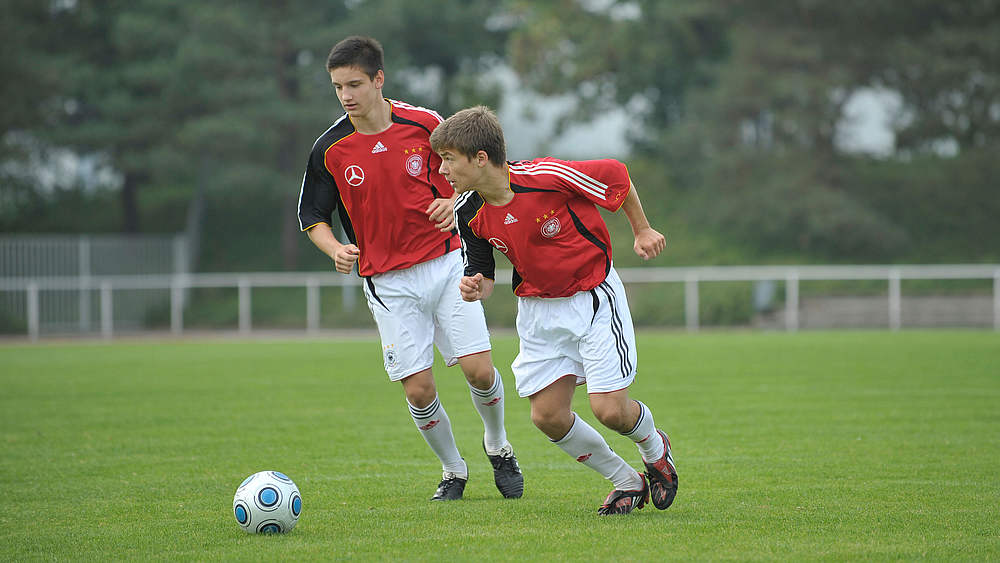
<point x="572" y="316"/>
<point x="374" y="166"/>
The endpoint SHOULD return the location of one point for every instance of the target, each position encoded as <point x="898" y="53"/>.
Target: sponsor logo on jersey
<point x="551" y="227"/>
<point x="354" y="175"/>
<point x="509" y="219"/>
<point x="429" y="425"/>
<point x="379" y="147"/>
<point x="499" y="244"/>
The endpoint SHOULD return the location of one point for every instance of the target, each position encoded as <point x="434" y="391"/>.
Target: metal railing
<point x="692" y="278"/>
<point x="86" y="258"/>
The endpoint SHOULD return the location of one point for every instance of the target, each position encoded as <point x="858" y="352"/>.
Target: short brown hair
<point x="357" y="51"/>
<point x="470" y="131"/>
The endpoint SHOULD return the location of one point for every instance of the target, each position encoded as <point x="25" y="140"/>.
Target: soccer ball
<point x="267" y="502"/>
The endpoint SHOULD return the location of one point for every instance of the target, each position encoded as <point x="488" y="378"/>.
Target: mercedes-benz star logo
<point x="354" y="175"/>
<point x="499" y="244"/>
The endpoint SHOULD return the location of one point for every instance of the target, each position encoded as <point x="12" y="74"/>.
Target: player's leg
<point x="434" y="425"/>
<point x="488" y="399"/>
<point x="551" y="412"/>
<point x="406" y="329"/>
<point x="610" y="360"/>
<point x="549" y="331"/>
<point x="634" y="420"/>
<point x="462" y="337"/>
<point x="487" y="392"/>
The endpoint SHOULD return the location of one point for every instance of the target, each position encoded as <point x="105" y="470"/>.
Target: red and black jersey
<point x="381" y="185"/>
<point x="551" y="231"/>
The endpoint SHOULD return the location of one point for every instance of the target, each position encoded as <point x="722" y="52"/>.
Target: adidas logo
<point x="510" y="219"/>
<point x="379" y="147"/>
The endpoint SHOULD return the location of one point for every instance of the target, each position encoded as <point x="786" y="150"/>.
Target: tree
<point x="28" y="29"/>
<point x="769" y="126"/>
<point x="220" y="102"/>
<point x="645" y="55"/>
<point x="740" y="104"/>
<point x="114" y="66"/>
<point x="943" y="58"/>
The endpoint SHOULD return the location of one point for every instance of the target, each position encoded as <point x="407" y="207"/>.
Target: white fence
<point x="85" y="259"/>
<point x="692" y="278"/>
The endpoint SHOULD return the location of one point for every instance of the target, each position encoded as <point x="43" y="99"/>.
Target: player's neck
<point x="495" y="188"/>
<point x="376" y="121"/>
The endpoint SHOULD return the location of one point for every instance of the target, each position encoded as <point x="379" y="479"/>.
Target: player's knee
<point x="554" y="424"/>
<point x="420" y="398"/>
<point x="481" y="377"/>
<point x="419" y="390"/>
<point x="540" y="419"/>
<point x="612" y="416"/>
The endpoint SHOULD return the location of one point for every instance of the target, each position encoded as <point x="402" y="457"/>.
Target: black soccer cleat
<point x="662" y="476"/>
<point x="506" y="473"/>
<point x="451" y="487"/>
<point x="623" y="502"/>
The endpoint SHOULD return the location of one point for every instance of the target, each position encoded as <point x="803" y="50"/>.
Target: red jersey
<point x="381" y="185"/>
<point x="551" y="231"/>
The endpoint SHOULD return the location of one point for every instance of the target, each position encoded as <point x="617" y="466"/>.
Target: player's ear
<point x="379" y="79"/>
<point x="481" y="158"/>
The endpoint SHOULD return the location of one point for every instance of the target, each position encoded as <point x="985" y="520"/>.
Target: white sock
<point x="645" y="436"/>
<point x="434" y="425"/>
<point x="489" y="404"/>
<point x="587" y="446"/>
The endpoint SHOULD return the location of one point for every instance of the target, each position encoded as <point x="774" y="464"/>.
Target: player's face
<point x="460" y="171"/>
<point x="356" y="92"/>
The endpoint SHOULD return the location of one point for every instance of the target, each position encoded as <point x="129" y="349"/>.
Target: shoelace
<point x="506" y="464"/>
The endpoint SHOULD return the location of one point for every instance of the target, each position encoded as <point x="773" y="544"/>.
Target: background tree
<point x="741" y="106"/>
<point x="773" y="120"/>
<point x="644" y="55"/>
<point x="25" y="27"/>
<point x="204" y="113"/>
<point x="207" y="111"/>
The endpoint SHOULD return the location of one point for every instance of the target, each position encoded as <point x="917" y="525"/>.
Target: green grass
<point x="839" y="446"/>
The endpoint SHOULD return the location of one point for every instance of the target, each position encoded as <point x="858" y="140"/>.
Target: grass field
<point x="840" y="446"/>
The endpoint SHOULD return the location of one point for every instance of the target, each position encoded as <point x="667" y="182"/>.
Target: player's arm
<point x="344" y="255"/>
<point x="605" y="183"/>
<point x="480" y="267"/>
<point x="317" y="201"/>
<point x="648" y="241"/>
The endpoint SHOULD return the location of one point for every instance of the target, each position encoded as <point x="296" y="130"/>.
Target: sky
<point x="529" y="125"/>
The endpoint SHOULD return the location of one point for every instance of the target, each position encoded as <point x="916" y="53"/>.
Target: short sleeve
<point x="318" y="196"/>
<point x="605" y="182"/>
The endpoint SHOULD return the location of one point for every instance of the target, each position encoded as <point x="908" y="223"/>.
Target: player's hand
<point x="471" y="287"/>
<point x="441" y="212"/>
<point x="345" y="257"/>
<point x="649" y="243"/>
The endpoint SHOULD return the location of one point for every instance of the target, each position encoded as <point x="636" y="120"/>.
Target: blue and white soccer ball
<point x="267" y="502"/>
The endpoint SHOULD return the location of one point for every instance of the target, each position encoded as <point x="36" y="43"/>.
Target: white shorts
<point x="420" y="307"/>
<point x="589" y="335"/>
